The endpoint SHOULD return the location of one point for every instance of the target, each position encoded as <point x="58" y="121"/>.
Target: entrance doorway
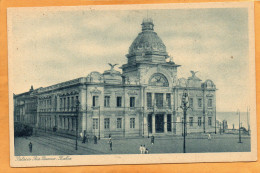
<point x="150" y="123"/>
<point x="159" y="124"/>
<point x="169" y="123"/>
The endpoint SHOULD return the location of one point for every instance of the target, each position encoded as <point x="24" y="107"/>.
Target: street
<point x="49" y="144"/>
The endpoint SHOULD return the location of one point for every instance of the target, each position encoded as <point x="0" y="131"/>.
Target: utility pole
<point x="220" y="127"/>
<point x="248" y="123"/>
<point x="215" y="120"/>
<point x="223" y="126"/>
<point x="184" y="107"/>
<point x="77" y="117"/>
<point x="239" y="133"/>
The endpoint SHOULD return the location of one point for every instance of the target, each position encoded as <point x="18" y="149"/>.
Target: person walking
<point x="141" y="149"/>
<point x="95" y="139"/>
<point x="30" y="147"/>
<point x="144" y="149"/>
<point x="152" y="139"/>
<point x="84" y="139"/>
<point x="110" y="143"/>
<point x="209" y="137"/>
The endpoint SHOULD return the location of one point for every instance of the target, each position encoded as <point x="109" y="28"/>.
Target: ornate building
<point x="144" y="99"/>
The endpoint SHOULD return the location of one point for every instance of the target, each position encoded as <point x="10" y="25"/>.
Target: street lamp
<point x="184" y="107"/>
<point x="99" y="123"/>
<point x="239" y="133"/>
<point x="148" y="126"/>
<point x="45" y="123"/>
<point x="220" y="128"/>
<point x="77" y="115"/>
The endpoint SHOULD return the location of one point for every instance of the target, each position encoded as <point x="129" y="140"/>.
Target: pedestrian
<point x="95" y="139"/>
<point x="144" y="149"/>
<point x="30" y="147"/>
<point x="110" y="143"/>
<point x="141" y="149"/>
<point x="209" y="137"/>
<point x="152" y="139"/>
<point x="84" y="139"/>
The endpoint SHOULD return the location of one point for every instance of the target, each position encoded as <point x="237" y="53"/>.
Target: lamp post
<point x="248" y="123"/>
<point x="148" y="126"/>
<point x="77" y="116"/>
<point x="239" y="133"/>
<point x="184" y="107"/>
<point x="215" y="120"/>
<point x="45" y="123"/>
<point x="220" y="128"/>
<point x="99" y="123"/>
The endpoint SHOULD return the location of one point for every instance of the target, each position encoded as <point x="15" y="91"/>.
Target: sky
<point x="53" y="46"/>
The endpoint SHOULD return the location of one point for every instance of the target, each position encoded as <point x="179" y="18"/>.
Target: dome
<point x="147" y="42"/>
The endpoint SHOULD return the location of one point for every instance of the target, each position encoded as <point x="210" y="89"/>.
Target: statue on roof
<point x="194" y="73"/>
<point x="112" y="66"/>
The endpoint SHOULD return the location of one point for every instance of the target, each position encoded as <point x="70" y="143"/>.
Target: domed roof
<point x="147" y="42"/>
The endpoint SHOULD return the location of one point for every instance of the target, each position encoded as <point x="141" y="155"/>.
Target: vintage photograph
<point x="158" y="82"/>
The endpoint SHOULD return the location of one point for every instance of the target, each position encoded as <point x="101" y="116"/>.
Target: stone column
<point x="165" y="123"/>
<point x="83" y="105"/>
<point x="153" y="100"/>
<point x="153" y="123"/>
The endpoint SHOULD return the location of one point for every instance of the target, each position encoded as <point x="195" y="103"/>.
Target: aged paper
<point x="131" y="84"/>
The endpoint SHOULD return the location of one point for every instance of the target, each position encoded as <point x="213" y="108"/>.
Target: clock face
<point x="158" y="80"/>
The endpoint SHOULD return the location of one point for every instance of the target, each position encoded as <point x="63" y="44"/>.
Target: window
<point x="119" y="101"/>
<point x="132" y="102"/>
<point x="199" y="121"/>
<point x="107" y="101"/>
<point x="191" y="102"/>
<point x="168" y="100"/>
<point x="191" y="121"/>
<point x="132" y="123"/>
<point x="119" y="123"/>
<point x="68" y="103"/>
<point x="64" y="103"/>
<point x="95" y="101"/>
<point x="95" y="123"/>
<point x="159" y="100"/>
<point x="149" y="100"/>
<point x="210" y="121"/>
<point x="200" y="103"/>
<point x="209" y="102"/>
<point x="72" y="103"/>
<point x="106" y="123"/>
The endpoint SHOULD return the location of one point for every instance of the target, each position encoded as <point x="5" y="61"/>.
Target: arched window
<point x="158" y="79"/>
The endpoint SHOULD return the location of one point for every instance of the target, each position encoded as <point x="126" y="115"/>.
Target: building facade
<point x="143" y="99"/>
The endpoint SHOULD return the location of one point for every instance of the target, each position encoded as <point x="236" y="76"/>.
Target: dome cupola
<point x="147" y="43"/>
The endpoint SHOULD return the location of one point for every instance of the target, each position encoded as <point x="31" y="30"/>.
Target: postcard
<point x="132" y="84"/>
